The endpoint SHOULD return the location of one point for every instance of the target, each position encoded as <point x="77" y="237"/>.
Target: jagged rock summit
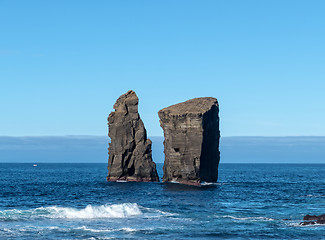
<point x="130" y="157"/>
<point x="191" y="144"/>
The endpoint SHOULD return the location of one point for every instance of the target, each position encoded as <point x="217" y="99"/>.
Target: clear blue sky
<point x="64" y="63"/>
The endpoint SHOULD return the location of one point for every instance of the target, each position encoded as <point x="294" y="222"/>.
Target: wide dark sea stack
<point x="130" y="157"/>
<point x="191" y="144"/>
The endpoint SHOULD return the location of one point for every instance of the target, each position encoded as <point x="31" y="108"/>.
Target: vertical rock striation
<point x="130" y="157"/>
<point x="191" y="144"/>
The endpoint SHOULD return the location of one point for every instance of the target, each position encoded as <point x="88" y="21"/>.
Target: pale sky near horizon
<point x="63" y="64"/>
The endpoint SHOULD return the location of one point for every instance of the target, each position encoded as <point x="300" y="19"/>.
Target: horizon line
<point x="85" y="135"/>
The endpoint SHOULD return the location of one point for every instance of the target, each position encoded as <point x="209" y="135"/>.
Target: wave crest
<point x="104" y="211"/>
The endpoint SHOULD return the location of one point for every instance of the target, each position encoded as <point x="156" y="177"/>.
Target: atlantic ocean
<point x="74" y="201"/>
<point x="55" y="188"/>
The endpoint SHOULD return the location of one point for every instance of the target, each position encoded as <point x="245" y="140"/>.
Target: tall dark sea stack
<point x="130" y="157"/>
<point x="191" y="131"/>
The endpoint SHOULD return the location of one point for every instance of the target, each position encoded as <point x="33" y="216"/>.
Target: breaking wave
<point x="124" y="210"/>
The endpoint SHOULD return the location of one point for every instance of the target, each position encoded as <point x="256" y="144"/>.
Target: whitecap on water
<point x="127" y="229"/>
<point x="84" y="228"/>
<point x="209" y="184"/>
<point x="104" y="211"/>
<point x="247" y="218"/>
<point x="154" y="213"/>
<point x="297" y="224"/>
<point x="174" y="182"/>
<point x="6" y="230"/>
<point x="124" y="210"/>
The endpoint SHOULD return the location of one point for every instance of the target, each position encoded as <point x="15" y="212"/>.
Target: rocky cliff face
<point x="191" y="144"/>
<point x="130" y="157"/>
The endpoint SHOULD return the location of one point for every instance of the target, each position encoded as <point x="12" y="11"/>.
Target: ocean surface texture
<point x="74" y="201"/>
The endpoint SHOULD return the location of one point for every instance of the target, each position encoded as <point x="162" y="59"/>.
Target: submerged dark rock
<point x="313" y="219"/>
<point x="130" y="156"/>
<point x="191" y="144"/>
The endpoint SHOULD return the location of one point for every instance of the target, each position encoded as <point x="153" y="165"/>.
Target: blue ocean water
<point x="74" y="201"/>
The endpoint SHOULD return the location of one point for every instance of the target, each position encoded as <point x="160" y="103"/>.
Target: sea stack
<point x="191" y="144"/>
<point x="130" y="157"/>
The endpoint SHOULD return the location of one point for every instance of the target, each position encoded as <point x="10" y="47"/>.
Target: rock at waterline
<point x="191" y="144"/>
<point x="313" y="219"/>
<point x="130" y="156"/>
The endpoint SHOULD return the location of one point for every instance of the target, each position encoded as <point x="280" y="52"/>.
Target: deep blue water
<point x="74" y="201"/>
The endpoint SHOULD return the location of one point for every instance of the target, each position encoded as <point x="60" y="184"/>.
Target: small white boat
<point x="34" y="165"/>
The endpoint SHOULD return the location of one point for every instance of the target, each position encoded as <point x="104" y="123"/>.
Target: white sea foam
<point x="174" y="182"/>
<point x="124" y="210"/>
<point x="6" y="230"/>
<point x="202" y="183"/>
<point x="248" y="218"/>
<point x="94" y="230"/>
<point x="99" y="238"/>
<point x="104" y="211"/>
<point x="127" y="229"/>
<point x="297" y="224"/>
<point x="310" y="195"/>
<point x="155" y="213"/>
<point x="209" y="183"/>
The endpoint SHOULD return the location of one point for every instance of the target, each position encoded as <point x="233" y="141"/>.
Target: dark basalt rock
<point x="130" y="157"/>
<point x="313" y="219"/>
<point x="191" y="144"/>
